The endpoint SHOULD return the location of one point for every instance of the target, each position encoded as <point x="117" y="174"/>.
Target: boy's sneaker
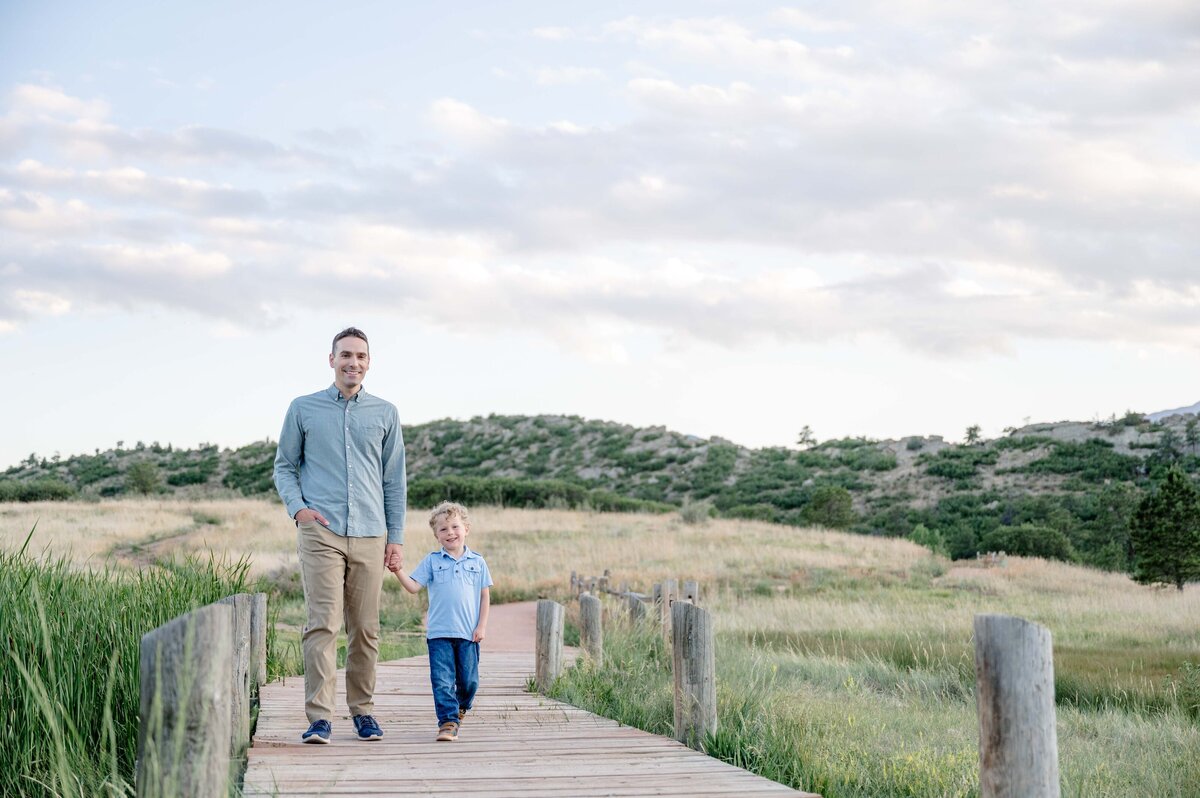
<point x="447" y="732"/>
<point x="318" y="732"/>
<point x="367" y="728"/>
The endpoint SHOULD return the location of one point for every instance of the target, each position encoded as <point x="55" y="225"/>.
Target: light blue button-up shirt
<point x="454" y="592"/>
<point x="344" y="459"/>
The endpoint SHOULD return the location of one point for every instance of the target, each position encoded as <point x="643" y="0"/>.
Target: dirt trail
<point x="512" y="627"/>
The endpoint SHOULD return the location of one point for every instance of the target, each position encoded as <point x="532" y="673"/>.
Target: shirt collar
<point x="467" y="553"/>
<point x="333" y="393"/>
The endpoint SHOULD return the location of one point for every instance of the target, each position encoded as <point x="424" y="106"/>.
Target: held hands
<point x="393" y="556"/>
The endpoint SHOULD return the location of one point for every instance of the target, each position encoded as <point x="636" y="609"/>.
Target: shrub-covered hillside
<point x="1064" y="490"/>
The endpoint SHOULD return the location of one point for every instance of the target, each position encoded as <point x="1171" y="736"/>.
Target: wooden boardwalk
<point x="514" y="743"/>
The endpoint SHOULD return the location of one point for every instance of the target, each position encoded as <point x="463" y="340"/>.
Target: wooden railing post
<point x="691" y="591"/>
<point x="590" y="631"/>
<point x="694" y="663"/>
<point x="239" y="731"/>
<point x="258" y="642"/>
<point x="1014" y="682"/>
<point x="549" y="643"/>
<point x="637" y="607"/>
<point x="670" y="591"/>
<point x="185" y="714"/>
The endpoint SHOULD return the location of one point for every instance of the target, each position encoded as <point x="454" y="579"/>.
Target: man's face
<point x="350" y="360"/>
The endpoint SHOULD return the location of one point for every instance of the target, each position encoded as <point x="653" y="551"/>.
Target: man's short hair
<point x="350" y="332"/>
<point x="447" y="509"/>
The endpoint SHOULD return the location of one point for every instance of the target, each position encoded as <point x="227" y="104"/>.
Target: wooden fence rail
<point x="199" y="673"/>
<point x="1014" y="682"/>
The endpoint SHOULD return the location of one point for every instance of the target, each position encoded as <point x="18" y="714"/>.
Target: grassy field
<point x="69" y="674"/>
<point x="844" y="661"/>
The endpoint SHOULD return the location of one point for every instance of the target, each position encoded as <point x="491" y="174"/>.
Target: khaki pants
<point x="342" y="580"/>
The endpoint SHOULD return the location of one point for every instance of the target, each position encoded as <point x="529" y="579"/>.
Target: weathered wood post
<point x="549" y="643"/>
<point x="574" y="581"/>
<point x="691" y="591"/>
<point x="604" y="580"/>
<point x="670" y="591"/>
<point x="239" y="730"/>
<point x="694" y="663"/>
<point x="590" y="632"/>
<point x="637" y="607"/>
<point x="258" y="642"/>
<point x="185" y="714"/>
<point x="1014" y="683"/>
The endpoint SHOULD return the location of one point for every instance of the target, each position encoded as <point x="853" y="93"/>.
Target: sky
<point x="729" y="219"/>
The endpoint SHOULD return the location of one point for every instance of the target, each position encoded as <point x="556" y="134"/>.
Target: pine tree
<point x="1165" y="533"/>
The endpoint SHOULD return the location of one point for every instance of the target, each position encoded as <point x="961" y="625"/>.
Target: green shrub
<point x="88" y="469"/>
<point x="958" y="462"/>
<point x="754" y="512"/>
<point x="39" y="490"/>
<point x="696" y="512"/>
<point x="190" y="476"/>
<point x="142" y="477"/>
<point x="1093" y="461"/>
<point x="831" y="507"/>
<point x="533" y="493"/>
<point x="251" y="471"/>
<point x="709" y="477"/>
<point x="1028" y="540"/>
<point x="930" y="539"/>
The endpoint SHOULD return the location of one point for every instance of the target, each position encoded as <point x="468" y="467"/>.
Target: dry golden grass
<point x="764" y="577"/>
<point x="644" y="547"/>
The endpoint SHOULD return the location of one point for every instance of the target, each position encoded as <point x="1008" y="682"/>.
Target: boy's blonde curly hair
<point x="448" y="508"/>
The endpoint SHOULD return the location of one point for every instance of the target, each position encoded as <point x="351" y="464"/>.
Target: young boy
<point x="458" y="580"/>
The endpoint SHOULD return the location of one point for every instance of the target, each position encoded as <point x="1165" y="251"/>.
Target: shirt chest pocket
<point x="471" y="572"/>
<point x="443" y="572"/>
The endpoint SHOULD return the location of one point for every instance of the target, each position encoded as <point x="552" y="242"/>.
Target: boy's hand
<point x="477" y="637"/>
<point x="393" y="556"/>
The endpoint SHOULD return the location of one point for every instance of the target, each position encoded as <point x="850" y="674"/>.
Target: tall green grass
<point x="851" y="723"/>
<point x="69" y="669"/>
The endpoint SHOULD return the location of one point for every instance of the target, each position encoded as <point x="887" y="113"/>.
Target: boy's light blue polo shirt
<point x="454" y="591"/>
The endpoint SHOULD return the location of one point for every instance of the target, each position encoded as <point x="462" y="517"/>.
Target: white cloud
<point x="795" y="177"/>
<point x="797" y="18"/>
<point x="175" y="260"/>
<point x="460" y="120"/>
<point x="554" y="34"/>
<point x="48" y="102"/>
<point x="41" y="303"/>
<point x="566" y="76"/>
<point x="38" y="214"/>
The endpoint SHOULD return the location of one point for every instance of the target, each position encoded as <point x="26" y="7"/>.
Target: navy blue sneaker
<point x="367" y="728"/>
<point x="318" y="732"/>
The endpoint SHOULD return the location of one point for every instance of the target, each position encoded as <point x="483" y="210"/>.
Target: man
<point x="340" y="471"/>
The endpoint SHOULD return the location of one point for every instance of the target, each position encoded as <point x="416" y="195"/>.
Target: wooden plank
<point x="513" y="743"/>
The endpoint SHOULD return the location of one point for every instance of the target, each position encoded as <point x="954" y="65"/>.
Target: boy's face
<point x="451" y="531"/>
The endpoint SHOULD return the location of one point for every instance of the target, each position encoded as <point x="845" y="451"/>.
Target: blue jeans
<point x="454" y="673"/>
